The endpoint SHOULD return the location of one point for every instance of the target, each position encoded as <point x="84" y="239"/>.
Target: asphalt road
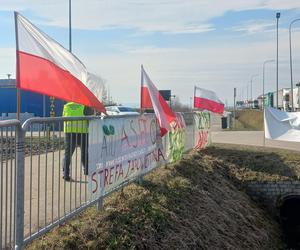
<point x="47" y="196"/>
<point x="253" y="138"/>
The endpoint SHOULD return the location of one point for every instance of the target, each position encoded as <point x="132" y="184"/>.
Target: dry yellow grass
<point x="249" y="120"/>
<point x="193" y="204"/>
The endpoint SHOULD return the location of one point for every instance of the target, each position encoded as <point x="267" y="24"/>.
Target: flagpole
<point x="194" y="121"/>
<point x="17" y="68"/>
<point x="141" y="106"/>
<point x="194" y="97"/>
<point x="108" y="95"/>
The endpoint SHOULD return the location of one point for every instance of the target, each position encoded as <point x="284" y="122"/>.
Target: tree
<point x="104" y="98"/>
<point x="177" y="106"/>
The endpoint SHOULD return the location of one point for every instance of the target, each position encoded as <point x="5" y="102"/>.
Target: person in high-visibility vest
<point x="76" y="134"/>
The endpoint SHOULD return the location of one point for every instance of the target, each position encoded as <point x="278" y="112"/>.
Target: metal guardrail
<point x="49" y="199"/>
<point x="8" y="174"/>
<point x="33" y="194"/>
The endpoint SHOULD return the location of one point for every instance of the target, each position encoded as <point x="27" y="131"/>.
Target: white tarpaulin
<point x="280" y="125"/>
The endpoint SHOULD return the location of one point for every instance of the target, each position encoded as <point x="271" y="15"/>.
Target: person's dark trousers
<point x="72" y="140"/>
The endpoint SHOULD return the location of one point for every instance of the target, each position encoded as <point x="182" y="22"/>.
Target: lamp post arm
<point x="264" y="66"/>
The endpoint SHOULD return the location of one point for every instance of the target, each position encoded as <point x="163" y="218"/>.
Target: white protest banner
<point x="280" y="125"/>
<point x="120" y="150"/>
<point x="202" y="129"/>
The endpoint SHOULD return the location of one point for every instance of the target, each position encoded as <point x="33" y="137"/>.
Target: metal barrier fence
<point x="8" y="149"/>
<point x="49" y="200"/>
<point x="33" y="194"/>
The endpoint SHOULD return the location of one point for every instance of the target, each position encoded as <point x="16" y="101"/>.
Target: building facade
<point x="32" y="103"/>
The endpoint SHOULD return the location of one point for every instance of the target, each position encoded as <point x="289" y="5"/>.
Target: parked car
<point x="121" y="110"/>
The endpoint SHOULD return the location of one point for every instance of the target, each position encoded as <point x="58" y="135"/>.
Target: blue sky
<point x="214" y="44"/>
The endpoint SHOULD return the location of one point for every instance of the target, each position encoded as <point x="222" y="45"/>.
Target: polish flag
<point x="44" y="66"/>
<point x="208" y="100"/>
<point x="152" y="99"/>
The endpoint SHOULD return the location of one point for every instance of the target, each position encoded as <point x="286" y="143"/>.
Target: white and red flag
<point x="152" y="99"/>
<point x="46" y="67"/>
<point x="207" y="100"/>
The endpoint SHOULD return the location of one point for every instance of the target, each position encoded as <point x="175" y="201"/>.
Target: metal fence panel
<point x="49" y="199"/>
<point x="8" y="140"/>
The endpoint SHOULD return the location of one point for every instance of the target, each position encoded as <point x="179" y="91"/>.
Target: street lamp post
<point x="277" y="18"/>
<point x="70" y="25"/>
<point x="234" y="103"/>
<point x="171" y="96"/>
<point x="264" y="64"/>
<point x="298" y="103"/>
<point x="263" y="95"/>
<point x="52" y="99"/>
<point x="291" y="62"/>
<point x="251" y="84"/>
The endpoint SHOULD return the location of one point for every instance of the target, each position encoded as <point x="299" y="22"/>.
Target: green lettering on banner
<point x="176" y="140"/>
<point x="203" y="120"/>
<point x="202" y="129"/>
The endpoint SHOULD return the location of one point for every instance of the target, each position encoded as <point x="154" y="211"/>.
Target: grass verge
<point x="253" y="163"/>
<point x="193" y="204"/>
<point x="249" y="120"/>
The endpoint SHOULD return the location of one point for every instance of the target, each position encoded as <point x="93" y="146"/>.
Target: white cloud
<point x="192" y="29"/>
<point x="218" y="68"/>
<point x="152" y="50"/>
<point x="7" y="62"/>
<point x="174" y="16"/>
<point x="253" y="27"/>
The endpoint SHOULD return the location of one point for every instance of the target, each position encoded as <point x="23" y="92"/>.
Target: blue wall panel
<point x="30" y="102"/>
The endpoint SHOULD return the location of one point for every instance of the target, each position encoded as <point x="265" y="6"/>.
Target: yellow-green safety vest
<point x="72" y="109"/>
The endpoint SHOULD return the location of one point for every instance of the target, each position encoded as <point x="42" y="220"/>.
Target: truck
<point x="269" y="99"/>
<point x="283" y="99"/>
<point x="296" y="94"/>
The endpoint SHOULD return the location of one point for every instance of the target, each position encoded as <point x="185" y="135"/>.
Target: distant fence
<point x="34" y="196"/>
